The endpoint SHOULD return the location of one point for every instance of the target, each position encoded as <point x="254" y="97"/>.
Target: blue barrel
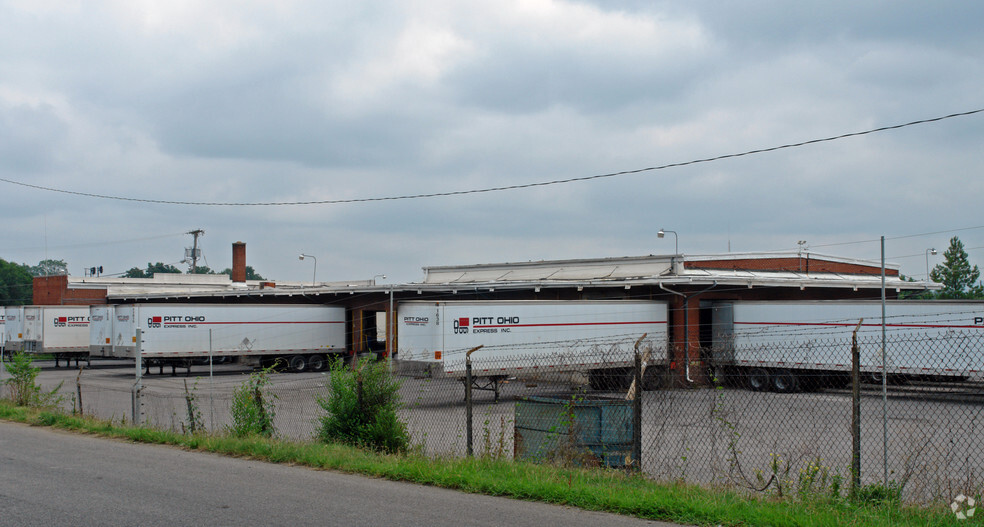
<point x="580" y="430"/>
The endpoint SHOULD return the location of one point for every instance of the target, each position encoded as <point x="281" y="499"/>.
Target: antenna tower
<point x="192" y="254"/>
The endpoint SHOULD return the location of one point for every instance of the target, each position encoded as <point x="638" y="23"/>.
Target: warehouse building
<point x="688" y="283"/>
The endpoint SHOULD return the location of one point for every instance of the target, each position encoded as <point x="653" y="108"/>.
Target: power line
<point x="98" y="244"/>
<point x="502" y="188"/>
<point x="898" y="237"/>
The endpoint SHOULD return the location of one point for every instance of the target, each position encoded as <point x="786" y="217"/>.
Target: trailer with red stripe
<point x="59" y="331"/>
<point x="65" y="332"/>
<point x="787" y="346"/>
<point x="529" y="338"/>
<point x="300" y="336"/>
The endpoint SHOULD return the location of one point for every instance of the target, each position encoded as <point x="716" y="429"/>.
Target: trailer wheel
<point x="297" y="363"/>
<point x="785" y="381"/>
<point x="316" y="362"/>
<point x="758" y="379"/>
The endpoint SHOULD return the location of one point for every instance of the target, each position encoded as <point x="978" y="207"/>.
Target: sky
<point x="296" y="101"/>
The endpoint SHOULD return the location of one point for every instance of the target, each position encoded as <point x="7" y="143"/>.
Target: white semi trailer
<point x="787" y="346"/>
<point x="60" y="331"/>
<point x="23" y="326"/>
<point x="65" y="332"/>
<point x="532" y="337"/>
<point x="102" y="321"/>
<point x="299" y="335"/>
<point x="13" y="320"/>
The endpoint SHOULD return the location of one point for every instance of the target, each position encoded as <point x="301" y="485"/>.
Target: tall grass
<point x="590" y="489"/>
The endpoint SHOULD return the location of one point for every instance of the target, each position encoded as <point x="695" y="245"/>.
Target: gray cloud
<point x="313" y="101"/>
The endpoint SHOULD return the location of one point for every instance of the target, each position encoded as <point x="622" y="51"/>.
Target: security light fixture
<point x="315" y="275"/>
<point x="676" y="240"/>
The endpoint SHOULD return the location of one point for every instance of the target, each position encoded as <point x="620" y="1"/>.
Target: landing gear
<point x="486" y="383"/>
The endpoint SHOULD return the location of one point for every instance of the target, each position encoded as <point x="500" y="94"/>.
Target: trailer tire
<point x="316" y="362"/>
<point x="785" y="381"/>
<point x="758" y="379"/>
<point x="297" y="363"/>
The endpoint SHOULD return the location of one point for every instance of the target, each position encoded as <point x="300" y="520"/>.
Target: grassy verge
<point x="591" y="489"/>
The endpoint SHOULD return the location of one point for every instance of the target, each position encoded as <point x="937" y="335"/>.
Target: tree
<point x="16" y="284"/>
<point x="251" y="274"/>
<point x="202" y="269"/>
<point x="914" y="295"/>
<point x="135" y="272"/>
<point x="158" y="267"/>
<point x="161" y="268"/>
<point x="49" y="268"/>
<point x="958" y="278"/>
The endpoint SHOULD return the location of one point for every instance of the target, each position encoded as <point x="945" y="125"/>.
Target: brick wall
<point x="54" y="291"/>
<point x="803" y="264"/>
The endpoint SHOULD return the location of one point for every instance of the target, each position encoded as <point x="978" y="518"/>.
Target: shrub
<point x="877" y="493"/>
<point x="195" y="423"/>
<point x="360" y="408"/>
<point x="252" y="410"/>
<point x="24" y="390"/>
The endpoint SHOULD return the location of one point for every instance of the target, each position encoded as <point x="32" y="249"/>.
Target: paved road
<point x="49" y="477"/>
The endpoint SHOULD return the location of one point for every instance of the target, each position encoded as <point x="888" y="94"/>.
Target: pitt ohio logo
<point x="461" y="326"/>
<point x="70" y="322"/>
<point x="176" y="321"/>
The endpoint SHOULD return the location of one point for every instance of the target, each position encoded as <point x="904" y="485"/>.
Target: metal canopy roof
<point x="590" y="273"/>
<point x="602" y="269"/>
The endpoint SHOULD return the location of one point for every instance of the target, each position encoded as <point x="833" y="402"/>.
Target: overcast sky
<point x="289" y="101"/>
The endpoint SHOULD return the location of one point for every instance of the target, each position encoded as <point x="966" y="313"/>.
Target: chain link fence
<point x="735" y="426"/>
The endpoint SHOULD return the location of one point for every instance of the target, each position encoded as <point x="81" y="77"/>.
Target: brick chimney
<point x="239" y="262"/>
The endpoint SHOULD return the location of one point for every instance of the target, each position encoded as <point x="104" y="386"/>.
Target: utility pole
<point x="194" y="249"/>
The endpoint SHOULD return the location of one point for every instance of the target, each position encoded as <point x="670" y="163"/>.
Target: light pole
<point x="676" y="240"/>
<point x="929" y="252"/>
<point x="378" y="276"/>
<point x="314" y="277"/>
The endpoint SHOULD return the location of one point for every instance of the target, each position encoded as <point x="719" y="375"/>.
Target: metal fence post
<point x="884" y="367"/>
<point x="137" y="386"/>
<point x="468" y="401"/>
<point x="635" y="395"/>
<point x="78" y="391"/>
<point x="468" y="405"/>
<point x="637" y="414"/>
<point x="855" y="410"/>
